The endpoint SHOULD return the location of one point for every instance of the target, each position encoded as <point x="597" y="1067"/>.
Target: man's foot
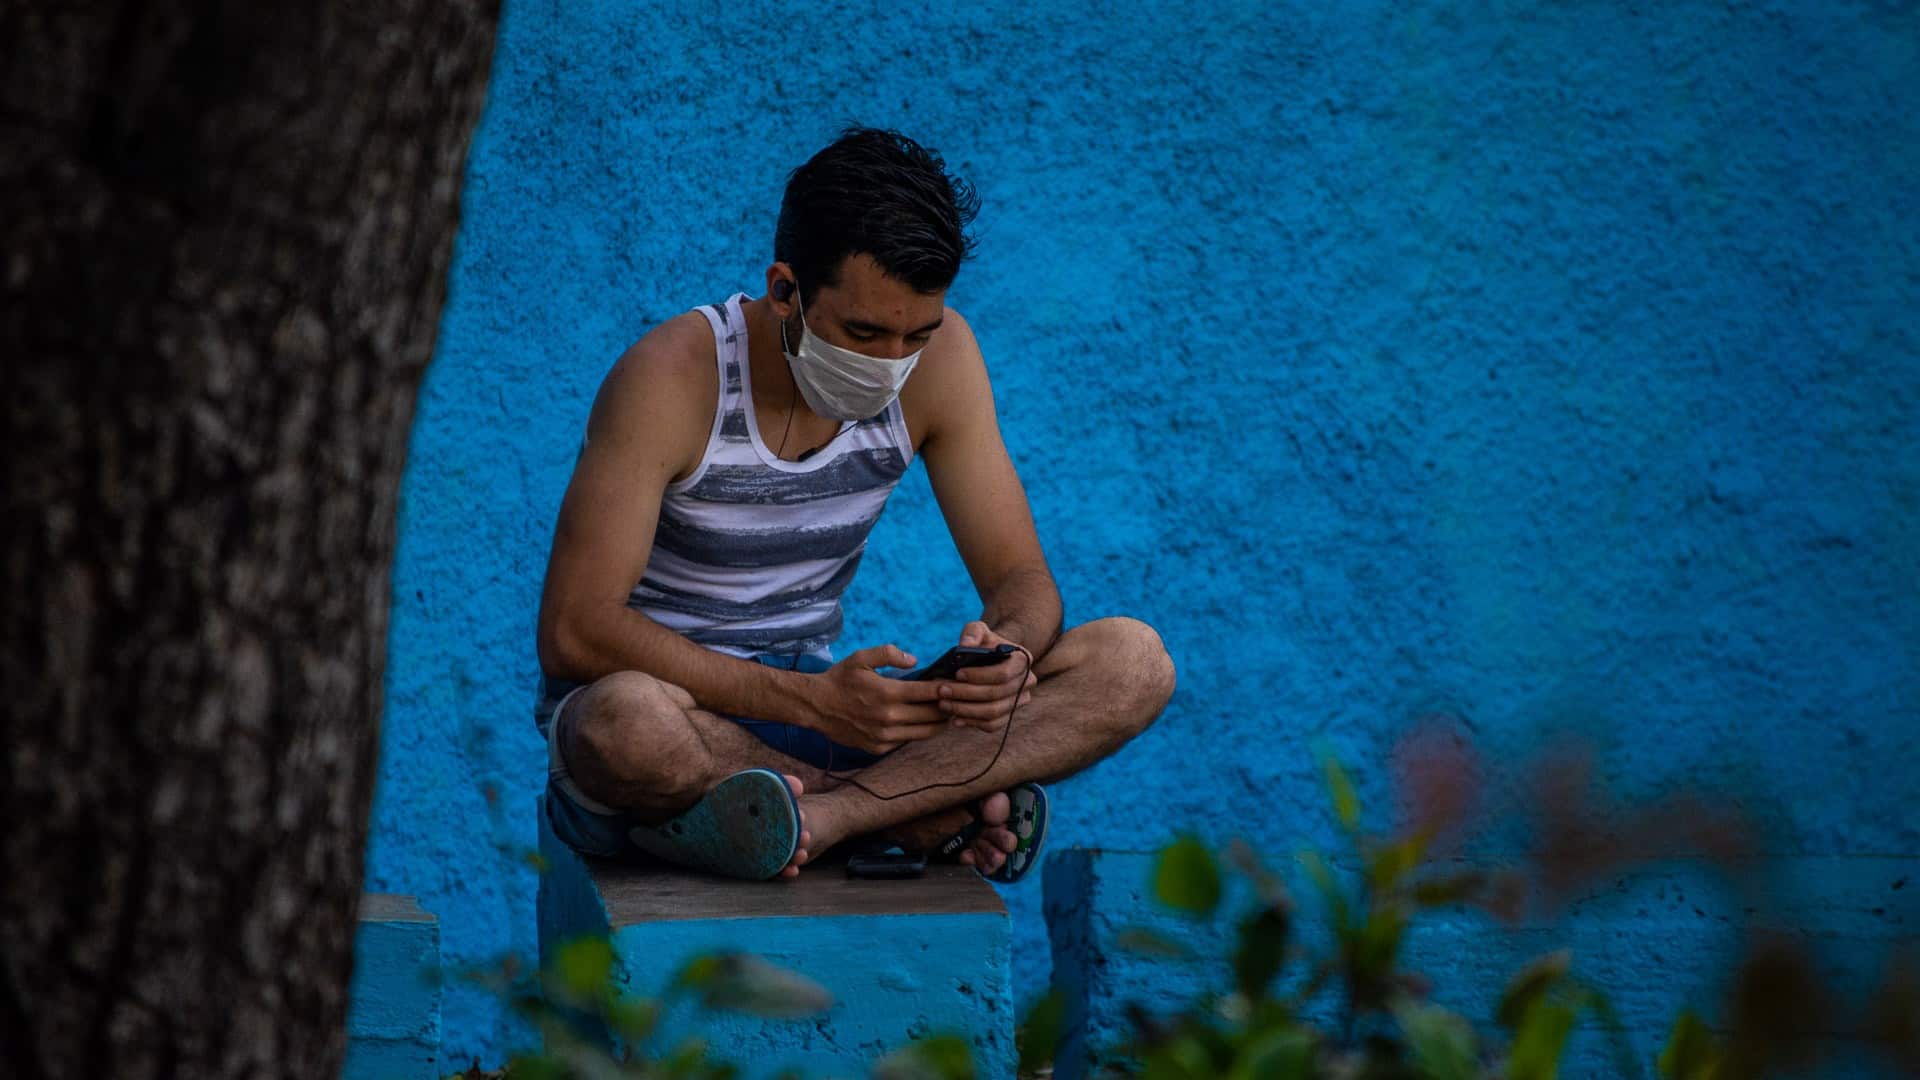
<point x="987" y="852"/>
<point x="748" y="826"/>
<point x="792" y="869"/>
<point x="995" y="842"/>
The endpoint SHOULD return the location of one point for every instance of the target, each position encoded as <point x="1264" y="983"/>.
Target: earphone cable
<point x="1005" y="730"/>
<point x="788" y="426"/>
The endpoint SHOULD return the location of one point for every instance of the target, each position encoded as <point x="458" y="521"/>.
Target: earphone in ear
<point x="782" y="289"/>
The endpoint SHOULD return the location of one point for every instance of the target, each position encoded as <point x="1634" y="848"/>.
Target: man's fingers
<point x="990" y="715"/>
<point x="1005" y="671"/>
<point x="902" y="692"/>
<point x="908" y="715"/>
<point x="879" y="656"/>
<point x="980" y="710"/>
<point x="896" y="737"/>
<point x="959" y="691"/>
<point x="974" y="633"/>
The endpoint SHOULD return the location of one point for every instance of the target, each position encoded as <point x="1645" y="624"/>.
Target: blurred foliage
<point x="1351" y="1009"/>
<point x="592" y="1029"/>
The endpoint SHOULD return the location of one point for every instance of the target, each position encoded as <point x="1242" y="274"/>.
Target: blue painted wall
<point x="1553" y="364"/>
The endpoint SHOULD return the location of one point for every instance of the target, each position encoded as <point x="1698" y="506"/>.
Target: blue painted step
<point x="393" y="1011"/>
<point x="903" y="959"/>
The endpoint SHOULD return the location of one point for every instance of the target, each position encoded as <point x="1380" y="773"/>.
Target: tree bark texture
<point x="225" y="229"/>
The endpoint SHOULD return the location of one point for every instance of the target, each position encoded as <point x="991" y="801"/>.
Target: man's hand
<point x="868" y="711"/>
<point x="985" y="697"/>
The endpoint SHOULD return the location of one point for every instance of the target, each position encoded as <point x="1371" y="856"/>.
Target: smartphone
<point x="891" y="864"/>
<point x="960" y="656"/>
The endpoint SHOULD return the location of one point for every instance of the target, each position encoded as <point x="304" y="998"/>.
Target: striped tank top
<point x="752" y="552"/>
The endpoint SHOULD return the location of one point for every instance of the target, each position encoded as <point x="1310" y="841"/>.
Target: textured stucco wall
<point x="1552" y="364"/>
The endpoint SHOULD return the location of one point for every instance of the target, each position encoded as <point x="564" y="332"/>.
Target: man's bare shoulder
<point x="950" y="379"/>
<point x="955" y="335"/>
<point x="662" y="389"/>
<point x="678" y="353"/>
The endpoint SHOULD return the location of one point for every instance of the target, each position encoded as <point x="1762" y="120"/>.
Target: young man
<point x="735" y="460"/>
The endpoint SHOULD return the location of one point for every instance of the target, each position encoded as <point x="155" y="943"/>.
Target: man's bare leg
<point x="639" y="744"/>
<point x="636" y="743"/>
<point x="1099" y="686"/>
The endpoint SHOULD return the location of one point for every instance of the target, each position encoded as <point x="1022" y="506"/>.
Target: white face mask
<point x="841" y="384"/>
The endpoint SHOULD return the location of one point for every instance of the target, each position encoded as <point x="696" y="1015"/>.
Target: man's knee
<point x="1134" y="664"/>
<point x="628" y="733"/>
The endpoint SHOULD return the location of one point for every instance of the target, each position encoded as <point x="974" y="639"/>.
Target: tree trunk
<point x="226" y="229"/>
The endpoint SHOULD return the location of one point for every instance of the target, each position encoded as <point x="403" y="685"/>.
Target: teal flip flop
<point x="1027" y="818"/>
<point x="747" y="827"/>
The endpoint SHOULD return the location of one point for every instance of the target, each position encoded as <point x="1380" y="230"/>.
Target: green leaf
<point x="1139" y="939"/>
<point x="1263" y="949"/>
<point x="1184" y="1057"/>
<point x="1692" y="1052"/>
<point x="1038" y="1039"/>
<point x="1539" y="1041"/>
<point x="632" y="1017"/>
<point x="538" y="1067"/>
<point x="1377" y="946"/>
<point x="585" y="967"/>
<point x="1186" y="878"/>
<point x="1269" y="1014"/>
<point x="1443" y="1043"/>
<point x="742" y="982"/>
<point x="1390" y="863"/>
<point x="1527" y="987"/>
<point x="1276" y="1055"/>
<point x="942" y="1057"/>
<point x="1323" y="880"/>
<point x="1346" y="804"/>
<point x="1449" y="889"/>
<point x="689" y="1056"/>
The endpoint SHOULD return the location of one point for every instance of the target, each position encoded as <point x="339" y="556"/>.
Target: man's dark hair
<point x="876" y="192"/>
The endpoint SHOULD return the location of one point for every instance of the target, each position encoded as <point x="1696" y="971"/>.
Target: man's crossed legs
<point x="640" y="745"/>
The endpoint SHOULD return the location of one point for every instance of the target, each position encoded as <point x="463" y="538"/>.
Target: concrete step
<point x="393" y="1012"/>
<point x="903" y="959"/>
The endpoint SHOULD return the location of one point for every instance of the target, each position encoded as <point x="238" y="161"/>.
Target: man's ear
<point x="782" y="289"/>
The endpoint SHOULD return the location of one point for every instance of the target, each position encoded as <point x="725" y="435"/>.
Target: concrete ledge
<point x="393" y="1015"/>
<point x="903" y="959"/>
<point x="1655" y="940"/>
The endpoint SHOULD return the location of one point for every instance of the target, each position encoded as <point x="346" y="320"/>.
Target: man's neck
<point x="774" y="391"/>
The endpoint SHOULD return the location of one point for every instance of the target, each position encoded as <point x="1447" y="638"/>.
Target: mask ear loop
<point x="1005" y="730"/>
<point x="787" y="427"/>
<point x="784" y="353"/>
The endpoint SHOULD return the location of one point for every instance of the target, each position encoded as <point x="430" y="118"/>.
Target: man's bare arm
<point x="981" y="496"/>
<point x="649" y="425"/>
<point x="1024" y="607"/>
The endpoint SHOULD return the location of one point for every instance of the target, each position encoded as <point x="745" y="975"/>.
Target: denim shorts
<point x="593" y="828"/>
